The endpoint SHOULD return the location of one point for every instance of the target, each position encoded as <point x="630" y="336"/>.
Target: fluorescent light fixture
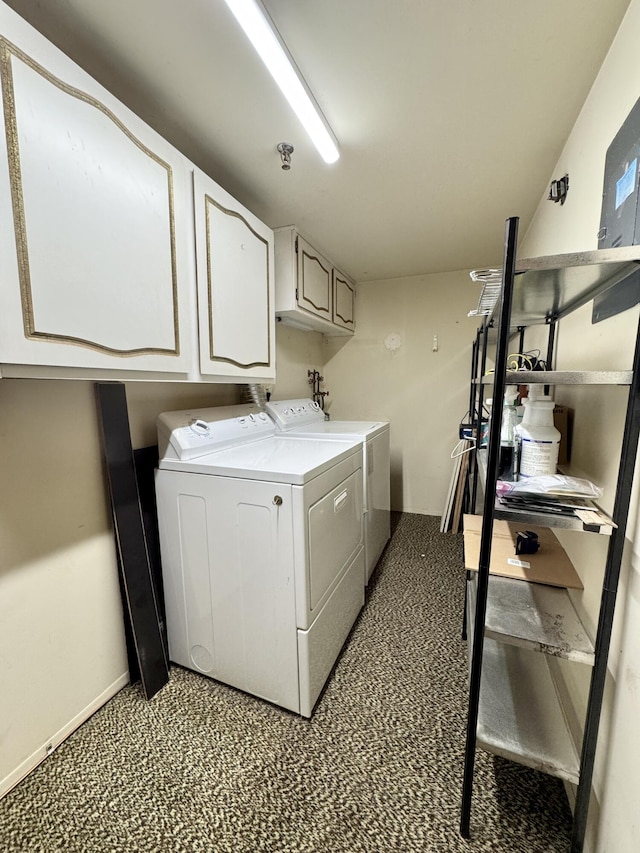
<point x="260" y="29"/>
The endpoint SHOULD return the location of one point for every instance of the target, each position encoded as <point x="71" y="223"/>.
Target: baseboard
<point x="571" y="791"/>
<point x="593" y="820"/>
<point x="43" y="752"/>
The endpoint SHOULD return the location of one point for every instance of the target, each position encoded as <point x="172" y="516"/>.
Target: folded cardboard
<point x="550" y="564"/>
<point x="563" y="422"/>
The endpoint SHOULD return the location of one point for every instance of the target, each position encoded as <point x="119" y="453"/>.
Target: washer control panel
<point x="289" y="414"/>
<point x="189" y="434"/>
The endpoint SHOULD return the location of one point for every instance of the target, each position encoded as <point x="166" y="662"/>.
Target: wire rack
<point x="491" y="281"/>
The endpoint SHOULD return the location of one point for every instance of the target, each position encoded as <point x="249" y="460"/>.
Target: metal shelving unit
<point x="515" y="709"/>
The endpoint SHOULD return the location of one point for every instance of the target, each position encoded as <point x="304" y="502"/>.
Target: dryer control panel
<point x="291" y="414"/>
<point x="193" y="433"/>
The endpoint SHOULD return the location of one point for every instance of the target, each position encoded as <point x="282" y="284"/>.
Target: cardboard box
<point x="549" y="565"/>
<point x="563" y="421"/>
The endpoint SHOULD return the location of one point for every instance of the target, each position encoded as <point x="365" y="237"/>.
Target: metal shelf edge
<point x="545" y="519"/>
<point x="559" y="522"/>
<point x="563" y="377"/>
<point x="536" y="617"/>
<point x="520" y="717"/>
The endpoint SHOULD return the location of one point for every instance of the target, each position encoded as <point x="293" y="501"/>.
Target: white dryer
<point x="262" y="551"/>
<point x="305" y="418"/>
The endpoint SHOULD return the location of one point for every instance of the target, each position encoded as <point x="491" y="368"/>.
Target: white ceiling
<point x="450" y="114"/>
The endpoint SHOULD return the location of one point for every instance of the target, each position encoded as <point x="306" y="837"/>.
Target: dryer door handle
<point x="339" y="501"/>
<point x="277" y="500"/>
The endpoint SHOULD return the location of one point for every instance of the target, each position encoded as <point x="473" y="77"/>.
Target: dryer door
<point x="332" y="535"/>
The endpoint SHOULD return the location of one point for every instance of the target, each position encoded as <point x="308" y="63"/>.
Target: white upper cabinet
<point x="98" y="243"/>
<point x="310" y="292"/>
<point x="94" y="222"/>
<point x="235" y="269"/>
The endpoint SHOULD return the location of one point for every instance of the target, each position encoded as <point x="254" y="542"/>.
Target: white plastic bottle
<point x="539" y="439"/>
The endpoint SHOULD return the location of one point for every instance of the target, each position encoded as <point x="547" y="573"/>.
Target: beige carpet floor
<point x="378" y="768"/>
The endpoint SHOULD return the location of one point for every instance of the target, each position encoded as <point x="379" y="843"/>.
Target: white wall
<point x="599" y="414"/>
<point x="61" y="641"/>
<point x="62" y="651"/>
<point x="423" y="393"/>
<point x="297" y="352"/>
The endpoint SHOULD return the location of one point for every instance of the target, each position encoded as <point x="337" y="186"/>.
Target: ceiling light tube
<point x="260" y="29"/>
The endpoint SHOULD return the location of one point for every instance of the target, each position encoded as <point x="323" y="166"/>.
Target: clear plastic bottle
<point x="506" y="466"/>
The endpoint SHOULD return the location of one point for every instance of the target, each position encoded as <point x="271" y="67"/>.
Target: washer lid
<point x="278" y="460"/>
<point x="340" y="429"/>
<point x="305" y="417"/>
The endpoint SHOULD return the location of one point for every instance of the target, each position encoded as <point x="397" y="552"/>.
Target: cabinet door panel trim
<point x="347" y="321"/>
<point x="228" y="212"/>
<point x="8" y="51"/>
<point x="324" y="308"/>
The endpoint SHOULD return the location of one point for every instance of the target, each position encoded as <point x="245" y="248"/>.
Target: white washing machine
<point x="305" y="418"/>
<point x="261" y="539"/>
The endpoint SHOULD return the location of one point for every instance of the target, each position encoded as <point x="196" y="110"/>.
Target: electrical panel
<point x="620" y="216"/>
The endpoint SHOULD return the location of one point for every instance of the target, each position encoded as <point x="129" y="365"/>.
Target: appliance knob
<point x="277" y="500"/>
<point x="199" y="427"/>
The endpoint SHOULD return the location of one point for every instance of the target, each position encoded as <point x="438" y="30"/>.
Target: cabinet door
<point x="94" y="217"/>
<point x="235" y="273"/>
<point x="314" y="281"/>
<point x="344" y="294"/>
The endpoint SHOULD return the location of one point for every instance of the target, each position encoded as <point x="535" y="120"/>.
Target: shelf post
<point x="495" y="421"/>
<point x="472" y="471"/>
<point x="478" y="396"/>
<point x="608" y="602"/>
<point x="551" y="343"/>
<point x="473" y="394"/>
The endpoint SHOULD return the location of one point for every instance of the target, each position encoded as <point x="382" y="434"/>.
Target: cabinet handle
<point x="277" y="500"/>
